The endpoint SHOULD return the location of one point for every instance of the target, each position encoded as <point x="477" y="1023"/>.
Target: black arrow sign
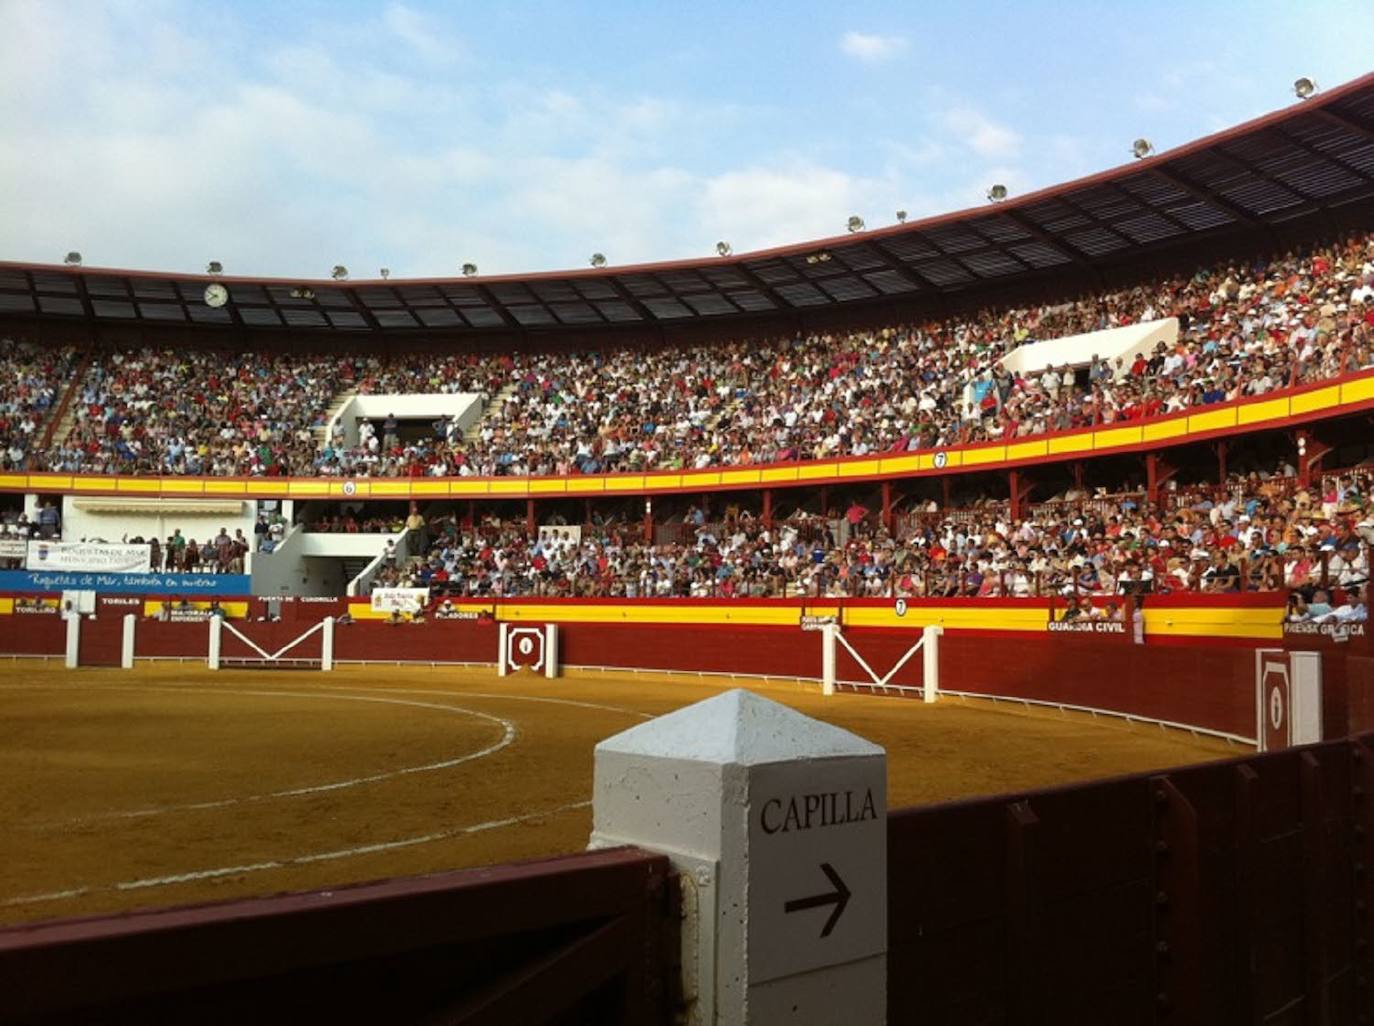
<point x="839" y="897"/>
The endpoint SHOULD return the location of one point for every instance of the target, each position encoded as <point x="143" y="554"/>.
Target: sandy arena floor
<point x="173" y="785"/>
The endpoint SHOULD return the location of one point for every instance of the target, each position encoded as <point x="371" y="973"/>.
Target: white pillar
<point x="126" y="651"/>
<point x="778" y="825"/>
<point x="327" y="644"/>
<point x="551" y="650"/>
<point x="501" y="667"/>
<point x="73" y="639"/>
<point x="828" y="632"/>
<point x="930" y="662"/>
<point x="216" y="630"/>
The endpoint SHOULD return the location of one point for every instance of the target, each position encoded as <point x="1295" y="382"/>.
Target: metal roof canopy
<point x="1313" y="157"/>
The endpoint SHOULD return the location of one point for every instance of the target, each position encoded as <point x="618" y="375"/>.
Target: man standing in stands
<point x="49" y="521"/>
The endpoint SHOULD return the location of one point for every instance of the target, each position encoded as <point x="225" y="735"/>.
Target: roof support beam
<point x="359" y="307"/>
<point x="1197" y="192"/>
<point x="1246" y="165"/>
<point x="907" y="271"/>
<point x="1348" y="123"/>
<point x="1053" y="241"/>
<point x="1148" y="207"/>
<point x="629" y="298"/>
<point x="500" y="308"/>
<point x="764" y="287"/>
<point x="1331" y="157"/>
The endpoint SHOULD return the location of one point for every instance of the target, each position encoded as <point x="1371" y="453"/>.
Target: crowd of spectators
<point x="31" y="377"/>
<point x="1258" y="533"/>
<point x="1247" y="328"/>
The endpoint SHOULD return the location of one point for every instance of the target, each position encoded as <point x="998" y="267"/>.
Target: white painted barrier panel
<point x="216" y="640"/>
<point x="73" y="655"/>
<point x="1305" y="694"/>
<point x="327" y="644"/>
<point x="126" y="649"/>
<point x="778" y="823"/>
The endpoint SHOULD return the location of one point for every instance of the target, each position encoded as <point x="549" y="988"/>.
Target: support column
<point x="1158" y="472"/>
<point x="1312" y="451"/>
<point x="944" y="493"/>
<point x="1078" y="474"/>
<point x="1221" y="462"/>
<point x="126" y="650"/>
<point x="768" y="508"/>
<point x="1018" y="494"/>
<point x="73" y="651"/>
<point x="648" y="520"/>
<point x="216" y="639"/>
<point x="531" y="521"/>
<point x="887" y="507"/>
<point x="327" y="644"/>
<point x="777" y="824"/>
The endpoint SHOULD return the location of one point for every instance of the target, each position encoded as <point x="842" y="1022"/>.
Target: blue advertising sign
<point x="149" y="584"/>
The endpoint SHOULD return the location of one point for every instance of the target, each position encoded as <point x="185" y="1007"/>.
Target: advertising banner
<point x="89" y="557"/>
<point x="14" y="548"/>
<point x="149" y="584"/>
<point x="399" y="600"/>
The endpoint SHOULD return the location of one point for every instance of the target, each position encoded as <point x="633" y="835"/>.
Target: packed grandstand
<point x="1247" y="328"/>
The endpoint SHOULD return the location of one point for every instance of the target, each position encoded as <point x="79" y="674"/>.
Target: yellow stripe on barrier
<point x="1114" y="437"/>
<point x="1028" y="450"/>
<point x="1319" y="399"/>
<point x="1080" y="441"/>
<point x="1212" y="420"/>
<point x="1253" y="413"/>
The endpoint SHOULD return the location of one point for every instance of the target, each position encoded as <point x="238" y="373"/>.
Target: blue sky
<point x="285" y="138"/>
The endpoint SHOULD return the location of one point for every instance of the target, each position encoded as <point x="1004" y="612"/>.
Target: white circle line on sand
<point x="499" y="696"/>
<point x="286" y="862"/>
<point x="509" y="733"/>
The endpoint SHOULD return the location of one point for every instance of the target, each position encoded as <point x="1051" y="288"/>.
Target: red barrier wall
<point x="101" y="641"/>
<point x="33" y="634"/>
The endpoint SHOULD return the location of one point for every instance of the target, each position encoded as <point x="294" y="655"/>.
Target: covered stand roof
<point x="1312" y="157"/>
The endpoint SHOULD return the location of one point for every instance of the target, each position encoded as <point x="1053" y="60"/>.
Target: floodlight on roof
<point x="72" y="259"/>
<point x="302" y="293"/>
<point x="901" y="217"/>
<point x="469" y="269"/>
<point x="339" y="273"/>
<point x="1304" y="87"/>
<point x="385" y="272"/>
<point x="855" y="223"/>
<point x="1142" y="148"/>
<point x="598" y="259"/>
<point x="724" y="249"/>
<point x="214" y="267"/>
<point x="997" y="193"/>
<point x="817" y="258"/>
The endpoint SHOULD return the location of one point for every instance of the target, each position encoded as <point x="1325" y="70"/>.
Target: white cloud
<point x="421" y="34"/>
<point x="871" y="48"/>
<point x="981" y="134"/>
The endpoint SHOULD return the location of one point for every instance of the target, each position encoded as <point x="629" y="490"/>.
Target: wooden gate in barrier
<point x="583" y="939"/>
<point x="1233" y="892"/>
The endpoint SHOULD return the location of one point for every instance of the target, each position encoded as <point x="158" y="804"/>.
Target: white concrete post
<point x="73" y="658"/>
<point x="551" y="650"/>
<point x="126" y="649"/>
<point x="501" y="668"/>
<point x="930" y="662"/>
<point x="828" y="632"/>
<point x="216" y="629"/>
<point x="327" y="644"/>
<point x="778" y="826"/>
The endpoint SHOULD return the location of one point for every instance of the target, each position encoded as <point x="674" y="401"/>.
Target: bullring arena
<point x="284" y="783"/>
<point x="958" y="621"/>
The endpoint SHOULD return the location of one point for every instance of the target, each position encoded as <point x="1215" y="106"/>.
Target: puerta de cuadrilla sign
<point x="779" y="822"/>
